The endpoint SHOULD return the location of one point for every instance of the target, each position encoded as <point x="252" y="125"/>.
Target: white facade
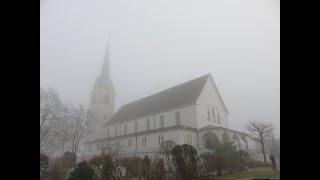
<point x="143" y="135"/>
<point x="208" y="101"/>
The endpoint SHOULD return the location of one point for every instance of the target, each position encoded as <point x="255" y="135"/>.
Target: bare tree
<point x="260" y="131"/>
<point x="165" y="151"/>
<point x="79" y="127"/>
<point x="51" y="114"/>
<point x="64" y="136"/>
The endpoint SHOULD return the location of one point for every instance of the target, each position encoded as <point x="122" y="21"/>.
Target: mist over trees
<point x="61" y="127"/>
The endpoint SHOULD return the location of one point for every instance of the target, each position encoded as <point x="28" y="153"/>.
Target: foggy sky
<point x="156" y="44"/>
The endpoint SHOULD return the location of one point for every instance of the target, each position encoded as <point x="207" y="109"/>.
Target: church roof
<point x="177" y="96"/>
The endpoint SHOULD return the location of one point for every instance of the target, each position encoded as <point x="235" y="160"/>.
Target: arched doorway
<point x="209" y="140"/>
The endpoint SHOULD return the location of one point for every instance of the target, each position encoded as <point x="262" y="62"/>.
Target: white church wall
<point x="187" y="118"/>
<point x="153" y="141"/>
<point x="207" y="100"/>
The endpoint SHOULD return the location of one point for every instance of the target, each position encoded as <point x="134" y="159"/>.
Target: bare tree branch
<point x="259" y="131"/>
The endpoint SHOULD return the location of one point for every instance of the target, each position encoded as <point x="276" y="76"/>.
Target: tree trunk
<point x="263" y="151"/>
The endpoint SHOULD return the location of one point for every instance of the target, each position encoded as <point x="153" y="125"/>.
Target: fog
<point x="155" y="45"/>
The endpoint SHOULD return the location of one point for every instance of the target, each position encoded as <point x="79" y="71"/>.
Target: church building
<point x="190" y="113"/>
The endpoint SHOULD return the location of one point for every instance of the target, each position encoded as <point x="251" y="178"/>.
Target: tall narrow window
<point x="178" y="118"/>
<point x="129" y="143"/>
<point x="208" y="118"/>
<point x="136" y="126"/>
<point x="117" y="144"/>
<point x="120" y="127"/>
<point x="188" y="139"/>
<point x="108" y="132"/>
<point x="144" y="141"/>
<point x="218" y="118"/>
<point x="148" y="124"/>
<point x="161" y="121"/>
<point x="213" y="115"/>
<point x="125" y="128"/>
<point x="160" y="139"/>
<point x="116" y="130"/>
<point x="106" y="99"/>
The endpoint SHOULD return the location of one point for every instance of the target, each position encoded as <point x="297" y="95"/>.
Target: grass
<point x="248" y="174"/>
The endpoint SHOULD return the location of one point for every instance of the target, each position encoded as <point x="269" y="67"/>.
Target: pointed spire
<point x="105" y="73"/>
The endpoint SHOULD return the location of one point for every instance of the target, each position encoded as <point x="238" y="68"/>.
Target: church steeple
<point x="102" y="99"/>
<point x="105" y="72"/>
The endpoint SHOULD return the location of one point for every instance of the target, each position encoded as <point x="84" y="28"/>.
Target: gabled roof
<point x="177" y="96"/>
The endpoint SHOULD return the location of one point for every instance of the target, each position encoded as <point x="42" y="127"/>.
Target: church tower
<point x="102" y="100"/>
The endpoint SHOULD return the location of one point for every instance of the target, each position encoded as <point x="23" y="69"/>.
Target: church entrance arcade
<point x="210" y="136"/>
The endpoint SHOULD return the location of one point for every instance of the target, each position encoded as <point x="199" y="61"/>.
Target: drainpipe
<point x="154" y="121"/>
<point x="136" y="144"/>
<point x="198" y="138"/>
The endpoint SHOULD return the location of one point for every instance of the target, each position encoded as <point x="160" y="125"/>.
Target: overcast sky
<point x="156" y="44"/>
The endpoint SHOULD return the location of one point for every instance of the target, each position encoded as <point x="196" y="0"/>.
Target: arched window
<point x="178" y="118"/>
<point x="213" y="115"/>
<point x="208" y="118"/>
<point x="218" y="118"/>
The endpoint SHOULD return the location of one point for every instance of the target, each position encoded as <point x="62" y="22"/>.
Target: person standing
<point x="273" y="161"/>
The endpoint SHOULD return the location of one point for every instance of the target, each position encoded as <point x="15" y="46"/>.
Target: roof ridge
<point x="159" y="92"/>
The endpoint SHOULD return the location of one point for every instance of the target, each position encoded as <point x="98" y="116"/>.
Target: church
<point x="189" y="113"/>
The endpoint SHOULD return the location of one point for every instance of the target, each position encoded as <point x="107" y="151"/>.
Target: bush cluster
<point x="182" y="162"/>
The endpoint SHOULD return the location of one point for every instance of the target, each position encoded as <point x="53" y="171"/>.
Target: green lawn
<point x="248" y="174"/>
